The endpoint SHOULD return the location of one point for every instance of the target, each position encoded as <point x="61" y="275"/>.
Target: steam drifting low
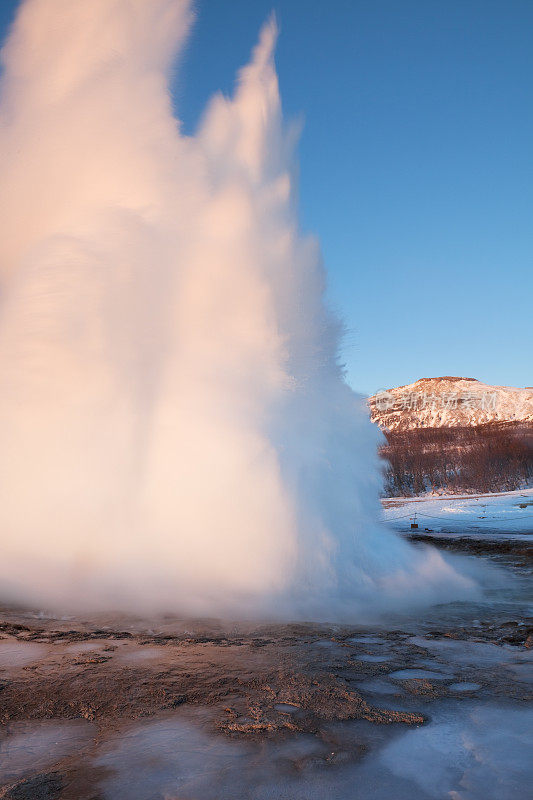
<point x="175" y="428"/>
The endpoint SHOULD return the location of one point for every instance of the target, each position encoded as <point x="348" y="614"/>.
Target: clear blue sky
<point x="416" y="169"/>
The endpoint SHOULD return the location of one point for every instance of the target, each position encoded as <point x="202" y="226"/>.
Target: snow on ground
<point x="504" y="513"/>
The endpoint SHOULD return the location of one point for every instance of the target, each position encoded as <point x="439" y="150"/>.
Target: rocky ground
<point x="205" y="710"/>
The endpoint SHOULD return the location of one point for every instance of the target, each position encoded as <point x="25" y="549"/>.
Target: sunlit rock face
<point x="176" y="430"/>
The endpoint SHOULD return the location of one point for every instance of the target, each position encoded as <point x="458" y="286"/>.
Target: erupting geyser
<point x="175" y="427"/>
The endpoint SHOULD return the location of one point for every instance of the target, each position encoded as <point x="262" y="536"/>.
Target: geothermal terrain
<point x="177" y="433"/>
<point x="428" y="706"/>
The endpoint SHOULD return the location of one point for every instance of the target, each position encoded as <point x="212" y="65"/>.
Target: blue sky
<point x="416" y="169"/>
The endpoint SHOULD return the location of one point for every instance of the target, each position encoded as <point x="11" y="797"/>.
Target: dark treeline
<point x="486" y="458"/>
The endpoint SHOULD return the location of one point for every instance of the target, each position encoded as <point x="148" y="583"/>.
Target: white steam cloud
<point x="175" y="429"/>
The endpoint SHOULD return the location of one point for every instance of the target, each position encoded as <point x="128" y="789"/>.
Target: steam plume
<point x="175" y="428"/>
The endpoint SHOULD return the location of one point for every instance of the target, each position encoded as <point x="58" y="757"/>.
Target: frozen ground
<point x="468" y="750"/>
<point x="426" y="707"/>
<point x="507" y="514"/>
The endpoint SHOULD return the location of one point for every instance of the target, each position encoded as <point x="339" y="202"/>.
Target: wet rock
<point x="178" y="700"/>
<point x="93" y="659"/>
<point x="464" y="687"/>
<point x="313" y="700"/>
<point x="87" y="712"/>
<point x="422" y="688"/>
<point x="39" y="787"/>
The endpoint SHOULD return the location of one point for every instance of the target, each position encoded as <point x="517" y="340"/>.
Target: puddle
<point x="377" y="686"/>
<point x="372" y="658"/>
<point x="470" y="653"/>
<point x="286" y="708"/>
<point x="171" y="759"/>
<point x="464" y="687"/>
<point x="30" y="747"/>
<point x="14" y="653"/>
<point x="327" y="644"/>
<point x="85" y="647"/>
<point x="144" y="654"/>
<point x="367" y="640"/>
<point x="406" y="674"/>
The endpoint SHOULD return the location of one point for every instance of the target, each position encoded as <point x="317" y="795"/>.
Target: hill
<point x="453" y="434"/>
<point x="450" y="402"/>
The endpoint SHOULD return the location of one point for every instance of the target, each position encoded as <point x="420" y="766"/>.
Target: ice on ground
<point x="372" y="658"/>
<point x="464" y="687"/>
<point x="468" y="752"/>
<point x="28" y="748"/>
<point x="286" y="708"/>
<point x="366" y="640"/>
<point x="474" y="654"/>
<point x="174" y="758"/>
<point x="523" y="671"/>
<point x="407" y="674"/>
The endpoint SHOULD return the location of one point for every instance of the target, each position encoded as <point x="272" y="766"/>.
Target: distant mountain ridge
<point x="450" y="402"/>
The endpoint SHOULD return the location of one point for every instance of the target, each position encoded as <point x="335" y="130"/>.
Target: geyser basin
<point x="115" y="706"/>
<point x="176" y="428"/>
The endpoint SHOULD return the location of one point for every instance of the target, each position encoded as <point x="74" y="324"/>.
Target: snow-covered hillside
<point x="450" y="402"/>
